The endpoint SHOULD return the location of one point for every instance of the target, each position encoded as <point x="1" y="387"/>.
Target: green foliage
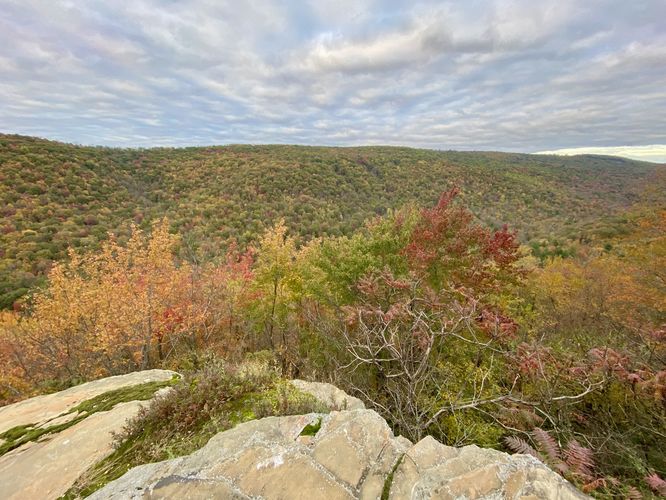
<point x="332" y="267"/>
<point x="56" y="195"/>
<point x="207" y="401"/>
<point x="276" y="285"/>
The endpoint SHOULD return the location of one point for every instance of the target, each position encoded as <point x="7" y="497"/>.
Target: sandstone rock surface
<point x="46" y="468"/>
<point x="331" y="396"/>
<point x="354" y="454"/>
<point x="346" y="454"/>
<point x="41" y="409"/>
<point x="432" y="470"/>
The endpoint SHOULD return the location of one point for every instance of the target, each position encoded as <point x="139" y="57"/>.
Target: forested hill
<point x="55" y="195"/>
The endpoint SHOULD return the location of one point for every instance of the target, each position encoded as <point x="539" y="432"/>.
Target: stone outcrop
<point x="431" y="470"/>
<point x="348" y="453"/>
<point x="47" y="467"/>
<point x="331" y="396"/>
<point x="352" y="454"/>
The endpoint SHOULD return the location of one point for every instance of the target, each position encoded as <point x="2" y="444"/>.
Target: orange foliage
<point x="121" y="309"/>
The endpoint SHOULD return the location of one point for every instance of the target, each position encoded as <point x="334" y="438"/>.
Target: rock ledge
<point x="47" y="468"/>
<point x="354" y="454"/>
<point x="346" y="454"/>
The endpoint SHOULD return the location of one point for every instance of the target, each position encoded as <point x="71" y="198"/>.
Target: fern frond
<point x="655" y="482"/>
<point x="560" y="466"/>
<point x="547" y="445"/>
<point x="519" y="445"/>
<point x="595" y="484"/>
<point x="520" y="418"/>
<point x="531" y="418"/>
<point x="579" y="458"/>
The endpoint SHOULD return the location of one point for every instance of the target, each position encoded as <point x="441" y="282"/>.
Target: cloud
<point x="484" y="74"/>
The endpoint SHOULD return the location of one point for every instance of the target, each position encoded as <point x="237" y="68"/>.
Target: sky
<point x="511" y="75"/>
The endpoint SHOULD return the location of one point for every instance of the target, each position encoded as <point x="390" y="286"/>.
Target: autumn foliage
<point x="125" y="308"/>
<point x="444" y="326"/>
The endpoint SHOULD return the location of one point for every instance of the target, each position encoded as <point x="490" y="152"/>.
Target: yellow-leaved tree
<point x="277" y="285"/>
<point x="120" y="309"/>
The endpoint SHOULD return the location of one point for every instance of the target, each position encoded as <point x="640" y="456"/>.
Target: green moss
<point x="16" y="432"/>
<point x="242" y="410"/>
<point x="16" y="436"/>
<point x="108" y="400"/>
<point x="311" y="429"/>
<point x="34" y="433"/>
<point x="388" y="482"/>
<point x="22" y="434"/>
<point x="212" y="400"/>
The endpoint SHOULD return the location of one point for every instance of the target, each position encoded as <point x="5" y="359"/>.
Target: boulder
<point x="431" y="470"/>
<point x="331" y="396"/>
<point x="47" y="468"/>
<point x="342" y="455"/>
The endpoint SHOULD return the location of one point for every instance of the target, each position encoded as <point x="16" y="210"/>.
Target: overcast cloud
<point x="519" y="75"/>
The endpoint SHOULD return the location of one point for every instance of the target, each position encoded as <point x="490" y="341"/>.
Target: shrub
<point x="207" y="401"/>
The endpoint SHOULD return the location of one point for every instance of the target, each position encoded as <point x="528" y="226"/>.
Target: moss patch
<point x="207" y="402"/>
<point x="22" y="434"/>
<point x="311" y="429"/>
<point x="17" y="432"/>
<point x="388" y="482"/>
<point x="108" y="400"/>
<point x="30" y="433"/>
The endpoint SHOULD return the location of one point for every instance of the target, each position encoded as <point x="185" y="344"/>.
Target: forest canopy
<point x="387" y="271"/>
<point x="54" y="196"/>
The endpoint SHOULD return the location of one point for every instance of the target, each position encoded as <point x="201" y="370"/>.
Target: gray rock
<point x="334" y="398"/>
<point x="47" y="468"/>
<point x="351" y="456"/>
<point x="431" y="470"/>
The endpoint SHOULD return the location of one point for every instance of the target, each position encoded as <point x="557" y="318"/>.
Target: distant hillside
<point x="55" y="195"/>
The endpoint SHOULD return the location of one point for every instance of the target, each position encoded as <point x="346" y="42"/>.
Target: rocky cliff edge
<point x="347" y="453"/>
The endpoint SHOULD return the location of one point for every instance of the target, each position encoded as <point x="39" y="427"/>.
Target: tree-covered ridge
<point x="55" y="195"/>
<point x="443" y="326"/>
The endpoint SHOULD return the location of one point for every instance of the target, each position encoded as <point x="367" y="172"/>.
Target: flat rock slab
<point x="331" y="396"/>
<point x="46" y="469"/>
<point x="41" y="409"/>
<point x="353" y="455"/>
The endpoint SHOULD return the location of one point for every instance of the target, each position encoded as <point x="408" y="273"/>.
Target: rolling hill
<point x="55" y="195"/>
